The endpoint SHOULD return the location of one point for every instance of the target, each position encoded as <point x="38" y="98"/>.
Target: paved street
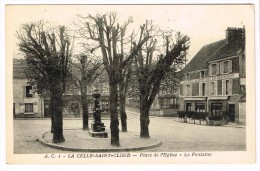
<point x="174" y="135"/>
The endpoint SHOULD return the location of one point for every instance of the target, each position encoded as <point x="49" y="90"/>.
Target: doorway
<point x="231" y="112"/>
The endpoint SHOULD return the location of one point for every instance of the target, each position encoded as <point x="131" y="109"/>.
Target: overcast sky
<point x="202" y="23"/>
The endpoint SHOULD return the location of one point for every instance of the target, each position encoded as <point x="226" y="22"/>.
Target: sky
<point x="204" y="24"/>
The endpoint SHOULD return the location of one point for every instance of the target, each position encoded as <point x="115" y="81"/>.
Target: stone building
<point x="214" y="80"/>
<point x="26" y="102"/>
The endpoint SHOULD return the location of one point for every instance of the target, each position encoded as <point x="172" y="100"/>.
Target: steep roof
<point x="229" y="49"/>
<point x="18" y="69"/>
<point x="199" y="61"/>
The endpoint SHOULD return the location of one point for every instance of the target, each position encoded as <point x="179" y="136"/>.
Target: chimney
<point x="233" y="33"/>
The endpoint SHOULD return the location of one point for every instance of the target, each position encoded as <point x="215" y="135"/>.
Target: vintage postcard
<point x="130" y="84"/>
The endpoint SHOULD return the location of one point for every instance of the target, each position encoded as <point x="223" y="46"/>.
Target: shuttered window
<point x="236" y="87"/>
<point x="226" y="66"/>
<point x="202" y="89"/>
<point x="224" y="92"/>
<point x="213" y="69"/>
<point x="228" y="87"/>
<point x="28" y="107"/>
<point x="219" y="87"/>
<point x="221" y="67"/>
<point x="212" y="88"/>
<point x="217" y="68"/>
<point x="229" y="66"/>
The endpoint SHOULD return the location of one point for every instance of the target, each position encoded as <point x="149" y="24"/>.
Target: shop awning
<point x="195" y="98"/>
<point x="218" y="98"/>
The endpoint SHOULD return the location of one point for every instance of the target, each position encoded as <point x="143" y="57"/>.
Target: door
<point x="232" y="112"/>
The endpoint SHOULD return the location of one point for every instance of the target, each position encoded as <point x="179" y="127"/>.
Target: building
<point x="26" y="102"/>
<point x="166" y="102"/>
<point x="214" y="80"/>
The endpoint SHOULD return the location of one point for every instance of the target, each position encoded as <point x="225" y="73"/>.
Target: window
<point x="213" y="69"/>
<point x="28" y="91"/>
<point x="28" y="108"/>
<point x="212" y="88"/>
<point x="227" y="87"/>
<point x="202" y="74"/>
<point x="199" y="107"/>
<point x="216" y="109"/>
<point x="203" y="89"/>
<point x="226" y="67"/>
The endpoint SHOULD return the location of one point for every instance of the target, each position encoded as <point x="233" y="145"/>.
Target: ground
<point x="175" y="136"/>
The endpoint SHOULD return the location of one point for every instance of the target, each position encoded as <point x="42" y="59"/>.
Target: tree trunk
<point x="51" y="111"/>
<point x="84" y="102"/>
<point x="113" y="98"/>
<point x="144" y="122"/>
<point x="123" y="115"/>
<point x="57" y="118"/>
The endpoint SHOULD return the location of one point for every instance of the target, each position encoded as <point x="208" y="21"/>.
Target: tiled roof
<point x="18" y="69"/>
<point x="199" y="61"/>
<point x="229" y="49"/>
<point x="214" y="51"/>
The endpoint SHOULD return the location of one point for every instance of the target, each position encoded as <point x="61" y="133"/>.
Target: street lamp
<point x="97" y="127"/>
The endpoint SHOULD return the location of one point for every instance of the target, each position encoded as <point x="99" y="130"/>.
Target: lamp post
<point x="97" y="127"/>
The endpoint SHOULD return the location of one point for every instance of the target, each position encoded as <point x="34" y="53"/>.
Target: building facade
<point x="214" y="80"/>
<point x="26" y="102"/>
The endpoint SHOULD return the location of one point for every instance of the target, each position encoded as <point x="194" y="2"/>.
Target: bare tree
<point x="151" y="72"/>
<point x="47" y="51"/>
<point x="123" y="87"/>
<point x="107" y="32"/>
<point x="88" y="69"/>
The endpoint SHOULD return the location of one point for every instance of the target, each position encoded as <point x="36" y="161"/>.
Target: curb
<point x="60" y="147"/>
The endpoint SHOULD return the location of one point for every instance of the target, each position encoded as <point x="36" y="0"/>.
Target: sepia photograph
<point x="136" y="83"/>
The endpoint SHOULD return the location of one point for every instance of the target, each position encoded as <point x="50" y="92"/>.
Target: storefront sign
<point x="214" y="78"/>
